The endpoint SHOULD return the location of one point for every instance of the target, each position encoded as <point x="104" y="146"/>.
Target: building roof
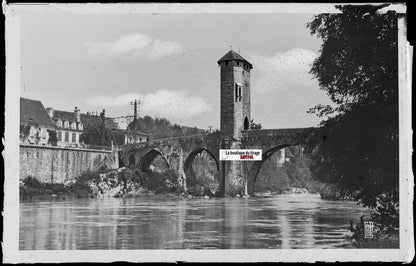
<point x="64" y="115"/>
<point x="33" y="112"/>
<point x="232" y="55"/>
<point x="95" y="120"/>
<point x="87" y="120"/>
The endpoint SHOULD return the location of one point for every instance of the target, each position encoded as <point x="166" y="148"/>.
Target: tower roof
<point x="232" y="55"/>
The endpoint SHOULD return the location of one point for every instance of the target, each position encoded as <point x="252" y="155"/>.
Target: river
<point x="281" y="221"/>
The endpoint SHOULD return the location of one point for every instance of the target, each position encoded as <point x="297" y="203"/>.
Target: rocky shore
<point x="116" y="183"/>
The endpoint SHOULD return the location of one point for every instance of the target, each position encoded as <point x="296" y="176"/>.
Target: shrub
<point x="232" y="191"/>
<point x="386" y="213"/>
<point x="32" y="182"/>
<point x="159" y="182"/>
<point x="87" y="177"/>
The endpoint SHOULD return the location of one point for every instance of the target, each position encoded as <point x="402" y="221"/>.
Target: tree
<point x="357" y="67"/>
<point x="53" y="138"/>
<point x="253" y="125"/>
<point x="96" y="136"/>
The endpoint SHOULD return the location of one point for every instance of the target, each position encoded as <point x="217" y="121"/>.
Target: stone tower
<point x="235" y="94"/>
<point x="235" y="115"/>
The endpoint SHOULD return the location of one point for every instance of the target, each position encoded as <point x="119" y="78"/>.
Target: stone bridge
<point x="270" y="141"/>
<point x="180" y="152"/>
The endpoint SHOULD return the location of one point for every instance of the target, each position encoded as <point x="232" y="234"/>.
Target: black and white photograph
<point x="252" y="132"/>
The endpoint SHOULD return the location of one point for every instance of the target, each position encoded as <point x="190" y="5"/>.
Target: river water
<point x="281" y="221"/>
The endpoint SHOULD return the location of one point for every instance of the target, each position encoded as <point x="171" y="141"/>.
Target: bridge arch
<point x="187" y="166"/>
<point x="148" y="158"/>
<point x="255" y="168"/>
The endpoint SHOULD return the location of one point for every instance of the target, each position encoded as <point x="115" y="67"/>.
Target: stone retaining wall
<point x="59" y="165"/>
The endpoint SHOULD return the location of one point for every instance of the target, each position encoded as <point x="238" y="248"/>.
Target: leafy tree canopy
<point x="253" y="125"/>
<point x="357" y="67"/>
<point x="96" y="136"/>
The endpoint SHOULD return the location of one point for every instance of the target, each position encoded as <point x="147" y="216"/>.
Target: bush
<point x="159" y="182"/>
<point x="32" y="182"/>
<point x="233" y="191"/>
<point x="386" y="214"/>
<point x="87" y="177"/>
<point x="380" y="238"/>
<point x="32" y="189"/>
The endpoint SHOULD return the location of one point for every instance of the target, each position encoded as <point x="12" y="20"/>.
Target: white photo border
<point x="11" y="252"/>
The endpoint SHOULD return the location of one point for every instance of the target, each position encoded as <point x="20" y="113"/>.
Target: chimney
<point x="77" y="113"/>
<point x="49" y="110"/>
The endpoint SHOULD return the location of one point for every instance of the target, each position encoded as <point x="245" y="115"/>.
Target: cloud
<point x="135" y="46"/>
<point x="163" y="103"/>
<point x="282" y="71"/>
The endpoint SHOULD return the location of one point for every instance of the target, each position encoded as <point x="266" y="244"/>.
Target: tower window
<point x="236" y="92"/>
<point x="239" y="93"/>
<point x="246" y="124"/>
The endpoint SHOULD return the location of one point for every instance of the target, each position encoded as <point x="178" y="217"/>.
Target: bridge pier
<point x="233" y="173"/>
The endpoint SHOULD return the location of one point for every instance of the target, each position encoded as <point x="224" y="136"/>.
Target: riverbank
<point x="32" y="190"/>
<point x="91" y="186"/>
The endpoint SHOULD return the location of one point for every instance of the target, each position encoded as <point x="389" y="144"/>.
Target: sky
<point x="169" y="63"/>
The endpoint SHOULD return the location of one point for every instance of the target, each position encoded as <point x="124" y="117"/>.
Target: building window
<point x="80" y="127"/>
<point x="74" y="137"/>
<point x="66" y="124"/>
<point x="66" y="136"/>
<point x="238" y="63"/>
<point x="43" y="133"/>
<point x="226" y="63"/>
<point x="239" y="93"/>
<point x="74" y="125"/>
<point x="59" y="136"/>
<point x="59" y="123"/>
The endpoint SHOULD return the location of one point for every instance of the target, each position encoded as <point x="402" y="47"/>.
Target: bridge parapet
<point x="164" y="141"/>
<point x="274" y="132"/>
<point x="267" y="138"/>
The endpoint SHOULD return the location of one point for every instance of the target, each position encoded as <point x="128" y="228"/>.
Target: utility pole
<point x="135" y="103"/>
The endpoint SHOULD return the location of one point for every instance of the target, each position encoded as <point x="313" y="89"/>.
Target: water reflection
<point x="272" y="222"/>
